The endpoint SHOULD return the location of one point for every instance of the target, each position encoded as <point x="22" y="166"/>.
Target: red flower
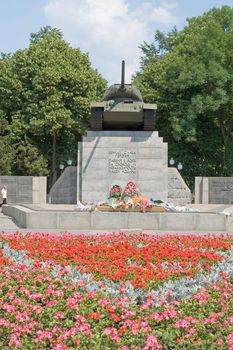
<point x="77" y="342"/>
<point x="94" y="316"/>
<point x="110" y="308"/>
<point x="114" y="317"/>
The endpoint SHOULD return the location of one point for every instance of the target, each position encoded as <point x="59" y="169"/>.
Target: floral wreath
<point x="115" y="192"/>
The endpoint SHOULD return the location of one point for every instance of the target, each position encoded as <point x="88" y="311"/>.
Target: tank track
<point x="97" y="119"/>
<point x="148" y="120"/>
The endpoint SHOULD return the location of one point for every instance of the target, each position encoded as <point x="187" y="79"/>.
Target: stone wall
<point x="64" y="191"/>
<point x="214" y="190"/>
<point x="106" y="158"/>
<point x="25" y="189"/>
<point x="178" y="191"/>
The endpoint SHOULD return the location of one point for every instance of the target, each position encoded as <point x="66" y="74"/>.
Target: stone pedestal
<point x="106" y="158"/>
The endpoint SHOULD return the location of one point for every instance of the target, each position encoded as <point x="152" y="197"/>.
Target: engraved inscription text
<point x="122" y="162"/>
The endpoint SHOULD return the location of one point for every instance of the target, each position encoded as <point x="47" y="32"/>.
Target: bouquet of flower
<point x="131" y="195"/>
<point x="129" y="198"/>
<point x="115" y="192"/>
<point x="131" y="190"/>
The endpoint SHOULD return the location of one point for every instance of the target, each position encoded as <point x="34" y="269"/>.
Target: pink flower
<point x="21" y="317"/>
<point x="14" y="340"/>
<point x="36" y="296"/>
<point x="59" y="315"/>
<point x="80" y="318"/>
<point x="61" y="347"/>
<point x="128" y="323"/>
<point x="18" y="301"/>
<point x="168" y="314"/>
<point x="103" y="302"/>
<point x="58" y="293"/>
<point x="112" y="332"/>
<point x="202" y="297"/>
<point x="42" y="335"/>
<point x="9" y="308"/>
<point x="144" y="203"/>
<point x="156" y="316"/>
<point x="51" y="303"/>
<point x="127" y="315"/>
<point x="147" y="305"/>
<point x="37" y="309"/>
<point x="230" y="338"/>
<point x="151" y="340"/>
<point x="4" y="323"/>
<point x="191" y="333"/>
<point x="152" y="343"/>
<point x="115" y="338"/>
<point x="185" y="322"/>
<point x="213" y="318"/>
<point x="219" y="342"/>
<point x="56" y="330"/>
<point x="108" y="330"/>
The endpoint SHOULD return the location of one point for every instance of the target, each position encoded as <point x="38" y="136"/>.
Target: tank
<point x="122" y="108"/>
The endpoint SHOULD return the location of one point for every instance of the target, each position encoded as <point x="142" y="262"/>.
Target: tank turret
<point x="122" y="108"/>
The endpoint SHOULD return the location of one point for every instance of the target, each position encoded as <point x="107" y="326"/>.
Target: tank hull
<point x="123" y="120"/>
<point x="122" y="108"/>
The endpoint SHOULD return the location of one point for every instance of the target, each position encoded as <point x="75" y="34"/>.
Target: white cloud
<point x="109" y="30"/>
<point x="169" y="5"/>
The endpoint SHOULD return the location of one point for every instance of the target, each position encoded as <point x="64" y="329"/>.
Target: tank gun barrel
<point x="123" y="75"/>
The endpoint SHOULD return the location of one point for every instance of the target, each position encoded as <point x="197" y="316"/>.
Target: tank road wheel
<point x="148" y="120"/>
<point x="97" y="119"/>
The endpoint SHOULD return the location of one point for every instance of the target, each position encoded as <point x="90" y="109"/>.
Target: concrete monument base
<point x="66" y="217"/>
<point x="106" y="158"/>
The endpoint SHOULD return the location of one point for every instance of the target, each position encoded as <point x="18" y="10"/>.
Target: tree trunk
<point x="223" y="153"/>
<point x="54" y="170"/>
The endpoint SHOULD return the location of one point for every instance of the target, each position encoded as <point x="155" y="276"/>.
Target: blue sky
<point x="109" y="30"/>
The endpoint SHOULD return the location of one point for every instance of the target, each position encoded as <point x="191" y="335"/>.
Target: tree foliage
<point x="7" y="151"/>
<point x="46" y="91"/>
<point x="190" y="75"/>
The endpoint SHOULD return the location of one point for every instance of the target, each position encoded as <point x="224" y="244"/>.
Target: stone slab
<point x="48" y="217"/>
<point x="71" y="221"/>
<point x="42" y="220"/>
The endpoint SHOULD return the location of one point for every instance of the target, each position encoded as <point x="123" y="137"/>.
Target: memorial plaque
<point x="122" y="162"/>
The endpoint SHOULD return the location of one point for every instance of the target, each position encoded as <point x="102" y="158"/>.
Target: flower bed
<point x="41" y="309"/>
<point x="144" y="261"/>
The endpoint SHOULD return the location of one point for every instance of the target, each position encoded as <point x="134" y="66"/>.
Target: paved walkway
<point x="6" y="222"/>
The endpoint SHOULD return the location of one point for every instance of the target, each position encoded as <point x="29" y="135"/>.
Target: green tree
<point x="190" y="75"/>
<point x="47" y="90"/>
<point x="7" y="151"/>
